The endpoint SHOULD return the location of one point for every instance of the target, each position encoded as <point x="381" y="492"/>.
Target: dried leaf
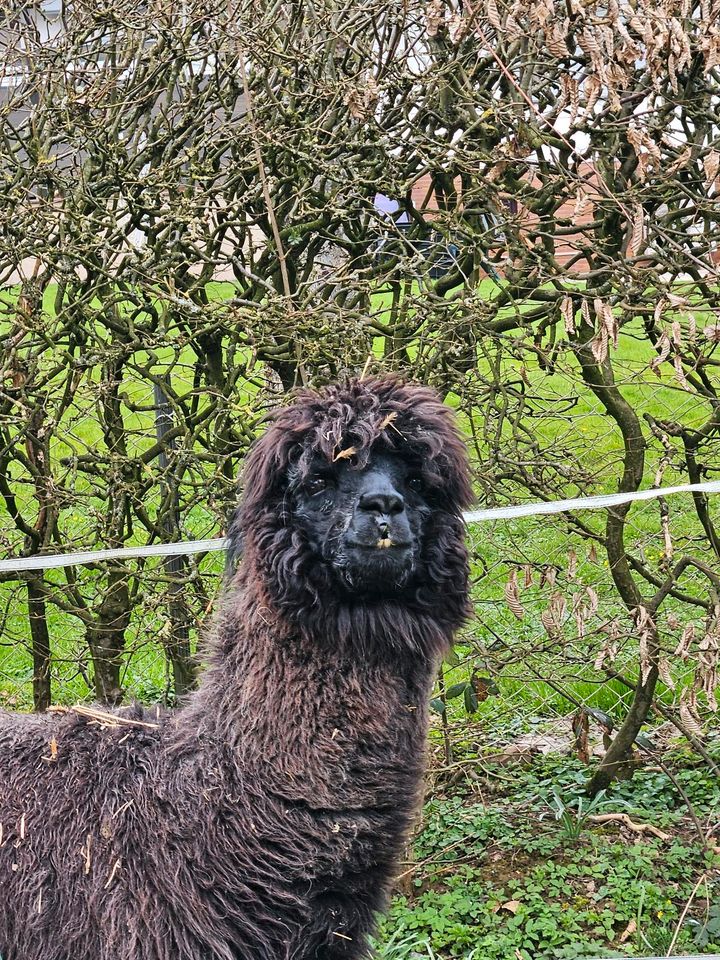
<point x="579" y="615"/>
<point x="567" y="311"/>
<point x="662" y="346"/>
<point x="345" y="454"/>
<point x="551" y="628"/>
<point x="585" y="310"/>
<point x="601" y="657"/>
<point x="628" y="931"/>
<point x="680" y="161"/>
<point x="659" y="310"/>
<point x="646" y="662"/>
<point x="581" y="202"/>
<point x="637" y="235"/>
<point x="706" y="673"/>
<point x="689" y="714"/>
<point x="581" y="729"/>
<point x="570" y="92"/>
<point x="458" y="28"/>
<point x="386" y="421"/>
<point x="665" y="675"/>
<point x="680" y="373"/>
<point x="493" y="15"/>
<point x="594" y="601"/>
<point x="646" y="629"/>
<point x="512" y="596"/>
<point x="646" y="150"/>
<point x="609" y="651"/>
<point x="592" y="88"/>
<point x="434" y="17"/>
<point x="642" y="618"/>
<point x="558" y="607"/>
<point x="599" y="345"/>
<point x="555" y="38"/>
<point x="712" y="332"/>
<point x="612" y="326"/>
<point x="676" y="332"/>
<point x="683" y="648"/>
<point x="512" y="906"/>
<point x="711" y="164"/>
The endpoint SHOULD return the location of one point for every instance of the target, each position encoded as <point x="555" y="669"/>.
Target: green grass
<point x="495" y="876"/>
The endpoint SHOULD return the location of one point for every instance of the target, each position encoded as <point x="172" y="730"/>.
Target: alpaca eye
<point x="416" y="484"/>
<point x="316" y="486"/>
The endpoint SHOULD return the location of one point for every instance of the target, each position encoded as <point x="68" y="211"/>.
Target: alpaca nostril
<point x="382" y="503"/>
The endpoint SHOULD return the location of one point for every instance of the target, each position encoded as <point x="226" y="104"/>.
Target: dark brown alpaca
<point x="263" y="820"/>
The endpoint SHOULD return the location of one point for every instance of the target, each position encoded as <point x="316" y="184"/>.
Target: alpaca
<point x="263" y="819"/>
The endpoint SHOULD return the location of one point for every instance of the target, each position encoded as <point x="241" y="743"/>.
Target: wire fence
<point x="510" y="202"/>
<point x="549" y="637"/>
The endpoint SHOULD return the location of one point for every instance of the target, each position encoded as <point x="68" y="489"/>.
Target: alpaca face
<point x="350" y="519"/>
<point x="365" y="524"/>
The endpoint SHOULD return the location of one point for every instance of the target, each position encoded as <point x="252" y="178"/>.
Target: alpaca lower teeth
<point x="384" y="543"/>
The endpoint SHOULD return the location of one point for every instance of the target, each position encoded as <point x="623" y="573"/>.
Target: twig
<point x="268" y="199"/>
<point x="625" y="820"/>
<point x="681" y="920"/>
<point x="102" y="716"/>
<point x="654" y="754"/>
<point x="366" y="367"/>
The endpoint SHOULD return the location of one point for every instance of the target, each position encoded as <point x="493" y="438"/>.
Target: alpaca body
<point x="264" y="819"/>
<point x="292" y="783"/>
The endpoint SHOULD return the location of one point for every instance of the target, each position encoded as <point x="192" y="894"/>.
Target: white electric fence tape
<point x="586" y="503"/>
<point x="536" y="509"/>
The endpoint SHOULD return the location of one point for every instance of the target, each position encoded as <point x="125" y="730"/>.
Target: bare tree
<point x="206" y="205"/>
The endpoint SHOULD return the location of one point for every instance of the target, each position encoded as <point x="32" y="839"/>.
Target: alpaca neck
<point x="310" y="720"/>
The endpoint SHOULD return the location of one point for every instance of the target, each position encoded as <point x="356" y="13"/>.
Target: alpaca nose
<point x="385" y="503"/>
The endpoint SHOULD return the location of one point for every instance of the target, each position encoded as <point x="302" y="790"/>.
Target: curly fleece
<point x="263" y="820"/>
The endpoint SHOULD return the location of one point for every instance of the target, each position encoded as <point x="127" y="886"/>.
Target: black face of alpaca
<point x="365" y="524"/>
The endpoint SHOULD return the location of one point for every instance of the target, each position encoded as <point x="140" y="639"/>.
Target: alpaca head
<point x="352" y="502"/>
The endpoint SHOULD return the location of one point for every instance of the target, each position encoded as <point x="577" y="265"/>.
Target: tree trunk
<point x="40" y="637"/>
<point x="599" y="377"/>
<point x="106" y="639"/>
<point x="177" y="648"/>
